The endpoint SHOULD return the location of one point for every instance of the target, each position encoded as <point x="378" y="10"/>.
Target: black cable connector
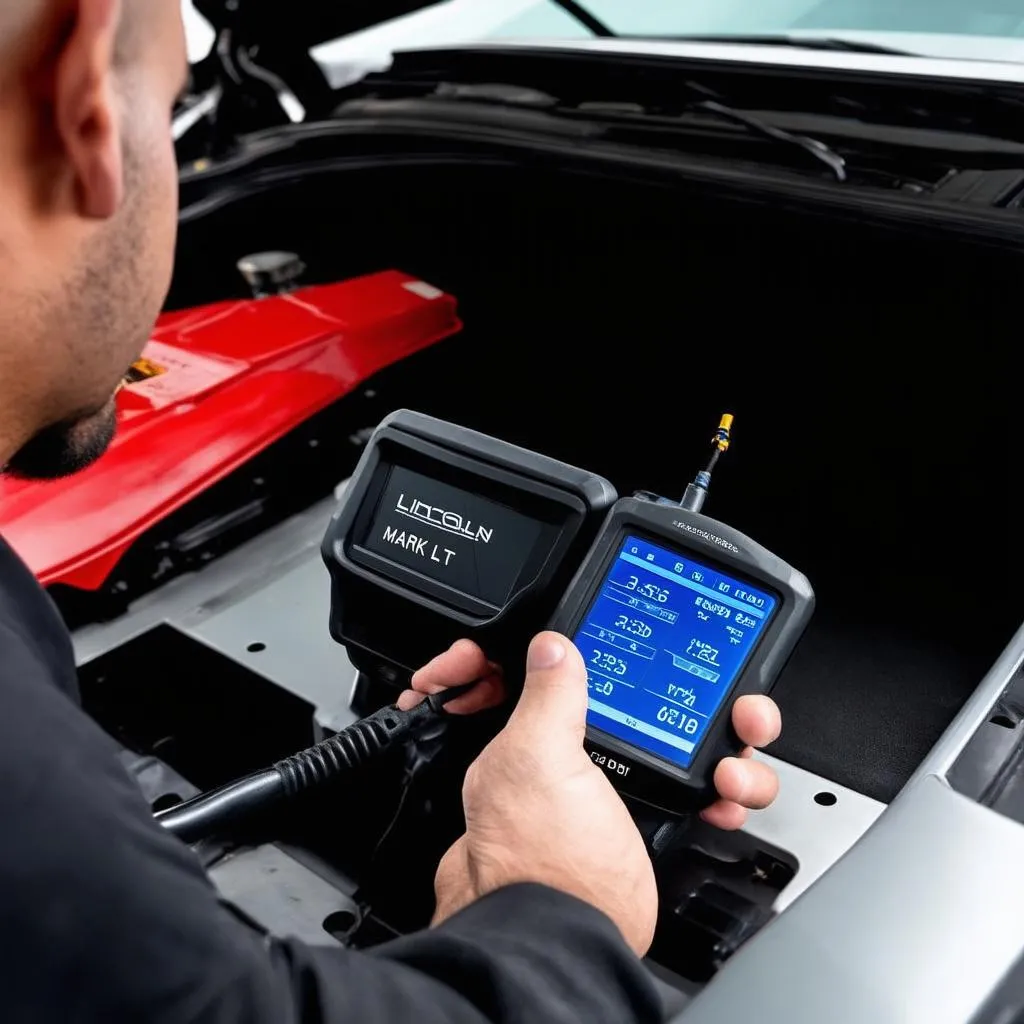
<point x="696" y="493"/>
<point x="229" y="807"/>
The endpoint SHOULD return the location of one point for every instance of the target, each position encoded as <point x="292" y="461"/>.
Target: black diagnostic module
<point x="445" y="533"/>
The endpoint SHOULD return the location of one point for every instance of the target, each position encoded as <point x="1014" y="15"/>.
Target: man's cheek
<point x="167" y="179"/>
<point x="164" y="215"/>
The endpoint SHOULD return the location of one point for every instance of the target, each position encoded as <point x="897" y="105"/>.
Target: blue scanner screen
<point x="663" y="641"/>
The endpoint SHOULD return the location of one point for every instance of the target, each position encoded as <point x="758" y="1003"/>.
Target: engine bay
<point x="844" y="346"/>
<point x="609" y="317"/>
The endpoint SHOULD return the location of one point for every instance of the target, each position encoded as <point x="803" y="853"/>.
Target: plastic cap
<point x="271" y="273"/>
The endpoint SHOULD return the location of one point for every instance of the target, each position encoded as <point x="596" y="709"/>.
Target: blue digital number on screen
<point x="664" y="640"/>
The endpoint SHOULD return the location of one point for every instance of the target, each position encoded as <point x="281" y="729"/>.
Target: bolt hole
<point x="256" y="648"/>
<point x="1005" y="721"/>
<point x="166" y="802"/>
<point x="825" y="799"/>
<point x="339" y="925"/>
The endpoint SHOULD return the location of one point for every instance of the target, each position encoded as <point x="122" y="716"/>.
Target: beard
<point x="112" y="294"/>
<point x="65" y="448"/>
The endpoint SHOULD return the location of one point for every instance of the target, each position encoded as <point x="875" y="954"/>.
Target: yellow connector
<point x="722" y="435"/>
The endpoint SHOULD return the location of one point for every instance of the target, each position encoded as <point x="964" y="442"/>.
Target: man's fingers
<point x="553" y="706"/>
<point x="462" y="663"/>
<point x="408" y="699"/>
<point x="746" y="782"/>
<point x="488" y="693"/>
<point x="725" y="815"/>
<point x="757" y="720"/>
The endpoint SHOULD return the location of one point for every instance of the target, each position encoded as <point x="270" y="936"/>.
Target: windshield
<point x="1001" y="18"/>
<point x="965" y="29"/>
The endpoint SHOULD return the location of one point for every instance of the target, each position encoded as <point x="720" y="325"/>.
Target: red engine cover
<point x="230" y="379"/>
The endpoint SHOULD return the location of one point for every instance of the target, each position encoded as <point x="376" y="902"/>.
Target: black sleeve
<point x="523" y="955"/>
<point x="106" y="918"/>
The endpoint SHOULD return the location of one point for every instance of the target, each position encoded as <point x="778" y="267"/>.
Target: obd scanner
<point x="676" y="615"/>
<point x="445" y="533"/>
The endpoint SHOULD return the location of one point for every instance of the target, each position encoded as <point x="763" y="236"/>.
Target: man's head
<point x="88" y="211"/>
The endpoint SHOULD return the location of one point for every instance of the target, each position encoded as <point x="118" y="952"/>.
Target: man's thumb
<point x="553" y="706"/>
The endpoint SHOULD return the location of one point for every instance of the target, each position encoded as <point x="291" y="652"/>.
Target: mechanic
<point x="547" y="902"/>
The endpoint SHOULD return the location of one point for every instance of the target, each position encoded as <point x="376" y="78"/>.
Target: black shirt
<point x="106" y="918"/>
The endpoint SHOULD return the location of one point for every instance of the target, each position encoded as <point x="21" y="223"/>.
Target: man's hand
<point x="742" y="784"/>
<point x="539" y="810"/>
<point x="460" y="664"/>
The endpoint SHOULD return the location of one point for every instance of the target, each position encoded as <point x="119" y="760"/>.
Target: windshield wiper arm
<point x="800" y="43"/>
<point x="825" y="154"/>
<point x="585" y="18"/>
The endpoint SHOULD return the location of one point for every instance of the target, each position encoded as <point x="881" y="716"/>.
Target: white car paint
<point x="348" y="59"/>
<point x="199" y="34"/>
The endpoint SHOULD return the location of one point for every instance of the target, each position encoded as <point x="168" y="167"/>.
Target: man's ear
<point x="86" y="109"/>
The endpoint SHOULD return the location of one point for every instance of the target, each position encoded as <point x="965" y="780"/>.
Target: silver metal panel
<point x="288" y="617"/>
<point x="915" y="925"/>
<point x="274" y="591"/>
<point x="281" y="895"/>
<point x="975" y="712"/>
<point x="817" y="835"/>
<point x="223" y="582"/>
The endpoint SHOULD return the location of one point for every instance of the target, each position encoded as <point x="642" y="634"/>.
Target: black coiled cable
<point x="344" y="751"/>
<point x="222" y="810"/>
